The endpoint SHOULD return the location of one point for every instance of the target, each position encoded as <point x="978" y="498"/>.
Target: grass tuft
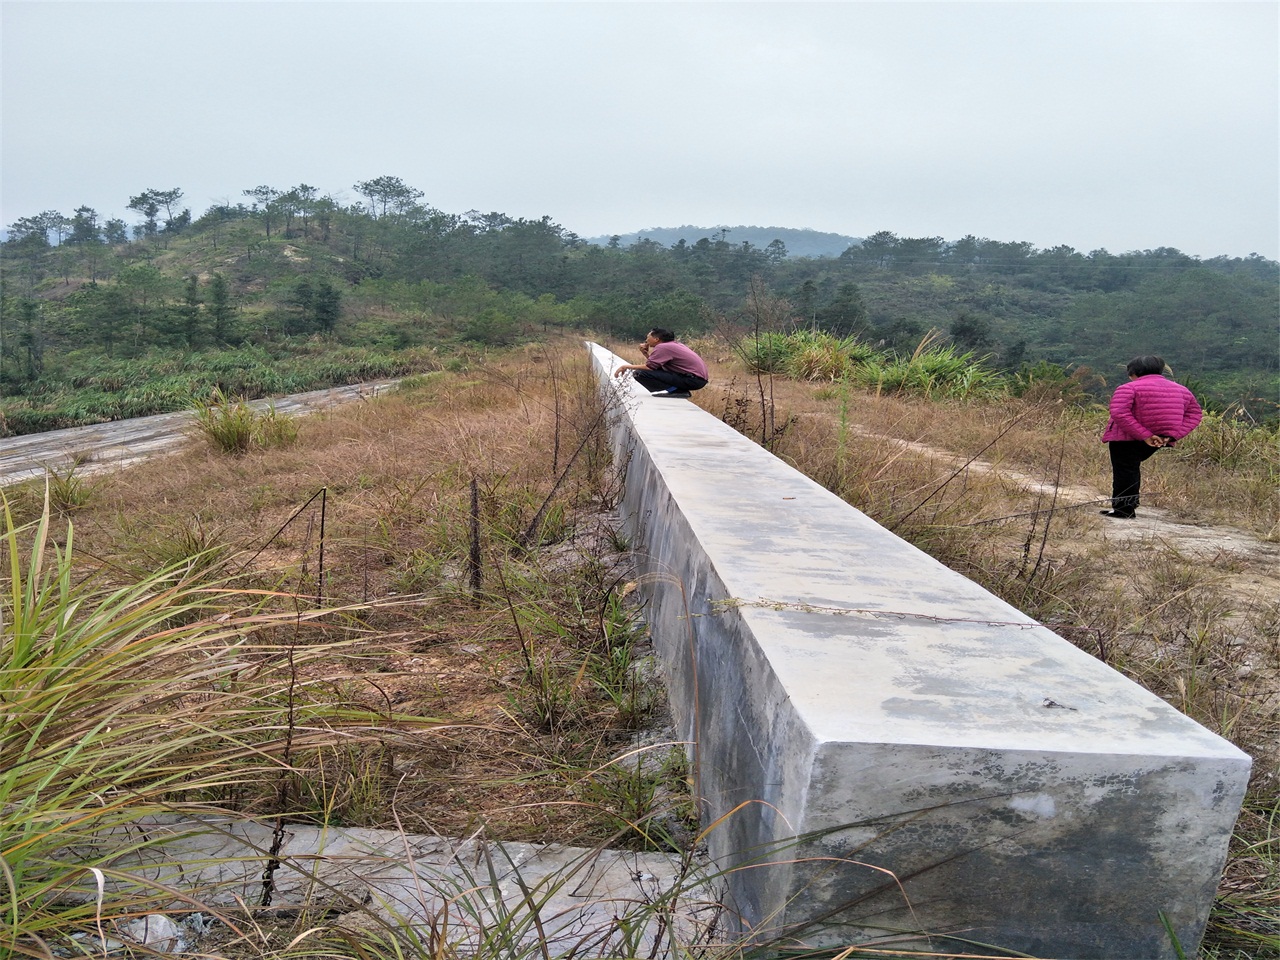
<point x="234" y="427"/>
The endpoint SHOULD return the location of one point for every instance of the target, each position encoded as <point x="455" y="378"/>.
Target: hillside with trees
<point x="289" y="289"/>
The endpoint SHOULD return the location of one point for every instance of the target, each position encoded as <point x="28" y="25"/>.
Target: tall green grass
<point x="234" y="427"/>
<point x="935" y="370"/>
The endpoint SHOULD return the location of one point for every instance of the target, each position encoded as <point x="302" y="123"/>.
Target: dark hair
<point x="1145" y="366"/>
<point x="666" y="336"/>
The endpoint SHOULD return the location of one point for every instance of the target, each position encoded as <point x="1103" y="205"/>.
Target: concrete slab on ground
<point x="588" y="902"/>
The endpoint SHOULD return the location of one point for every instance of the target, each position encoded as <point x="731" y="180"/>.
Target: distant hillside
<point x="298" y="292"/>
<point x="800" y="243"/>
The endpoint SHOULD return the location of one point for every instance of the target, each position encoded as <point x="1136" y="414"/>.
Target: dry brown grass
<point x="1009" y="494"/>
<point x="1186" y="602"/>
<point x="1221" y="474"/>
<point x="396" y="473"/>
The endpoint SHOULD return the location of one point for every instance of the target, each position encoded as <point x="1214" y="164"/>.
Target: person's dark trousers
<point x="666" y="379"/>
<point x="1126" y="473"/>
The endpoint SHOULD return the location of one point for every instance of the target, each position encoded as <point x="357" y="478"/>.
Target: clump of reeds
<point x="233" y="426"/>
<point x="935" y="370"/>
<point x="69" y="489"/>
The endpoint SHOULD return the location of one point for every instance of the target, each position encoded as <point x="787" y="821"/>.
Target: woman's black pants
<point x="662" y="379"/>
<point x="1126" y="473"/>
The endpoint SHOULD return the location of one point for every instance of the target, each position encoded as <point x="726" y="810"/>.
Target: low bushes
<point x="235" y="427"/>
<point x="935" y="370"/>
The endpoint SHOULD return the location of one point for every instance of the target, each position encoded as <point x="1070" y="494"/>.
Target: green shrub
<point x="821" y="356"/>
<point x="936" y="371"/>
<point x="493" y="327"/>
<point x="767" y="353"/>
<point x="276" y="429"/>
<point x="228" y="425"/>
<point x="1232" y="441"/>
<point x="68" y="490"/>
<point x="234" y="427"/>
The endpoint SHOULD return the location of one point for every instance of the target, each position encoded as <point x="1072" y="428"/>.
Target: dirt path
<point x="120" y="443"/>
<point x="1153" y="525"/>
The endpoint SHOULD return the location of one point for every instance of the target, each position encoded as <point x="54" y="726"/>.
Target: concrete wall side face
<point x="724" y="697"/>
<point x="1066" y="839"/>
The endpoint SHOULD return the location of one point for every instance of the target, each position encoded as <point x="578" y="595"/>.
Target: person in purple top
<point x="670" y="369"/>
<point x="1147" y="413"/>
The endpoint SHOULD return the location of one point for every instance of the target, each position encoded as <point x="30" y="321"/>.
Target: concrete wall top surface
<point x="951" y="664"/>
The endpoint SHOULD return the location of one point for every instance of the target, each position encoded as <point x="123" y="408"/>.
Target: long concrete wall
<point x="890" y="748"/>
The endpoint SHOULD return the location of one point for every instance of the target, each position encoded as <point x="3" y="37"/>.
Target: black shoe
<point x="679" y="394"/>
<point x="1117" y="515"/>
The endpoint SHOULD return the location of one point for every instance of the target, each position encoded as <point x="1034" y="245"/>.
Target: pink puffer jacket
<point x="1151" y="406"/>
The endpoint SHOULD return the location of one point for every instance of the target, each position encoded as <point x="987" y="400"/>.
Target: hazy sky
<point x="1117" y="125"/>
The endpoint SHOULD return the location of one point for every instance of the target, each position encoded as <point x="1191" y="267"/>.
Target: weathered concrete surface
<point x="579" y="901"/>
<point x="845" y="689"/>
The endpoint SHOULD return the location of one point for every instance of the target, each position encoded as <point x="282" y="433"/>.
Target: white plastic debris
<point x="156" y="931"/>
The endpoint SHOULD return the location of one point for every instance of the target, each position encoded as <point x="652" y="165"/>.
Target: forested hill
<point x="795" y="243"/>
<point x="289" y="290"/>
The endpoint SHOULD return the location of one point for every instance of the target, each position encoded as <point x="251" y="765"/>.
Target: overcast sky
<point x="1119" y="125"/>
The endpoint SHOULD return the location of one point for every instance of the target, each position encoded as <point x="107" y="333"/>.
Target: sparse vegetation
<point x="448" y="553"/>
<point x="528" y="688"/>
<point x="146" y="698"/>
<point x="69" y="489"/>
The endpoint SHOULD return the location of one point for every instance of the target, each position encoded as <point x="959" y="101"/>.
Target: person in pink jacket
<point x="1147" y="413"/>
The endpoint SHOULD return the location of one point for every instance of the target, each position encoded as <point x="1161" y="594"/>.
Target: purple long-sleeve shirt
<point x="676" y="358"/>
